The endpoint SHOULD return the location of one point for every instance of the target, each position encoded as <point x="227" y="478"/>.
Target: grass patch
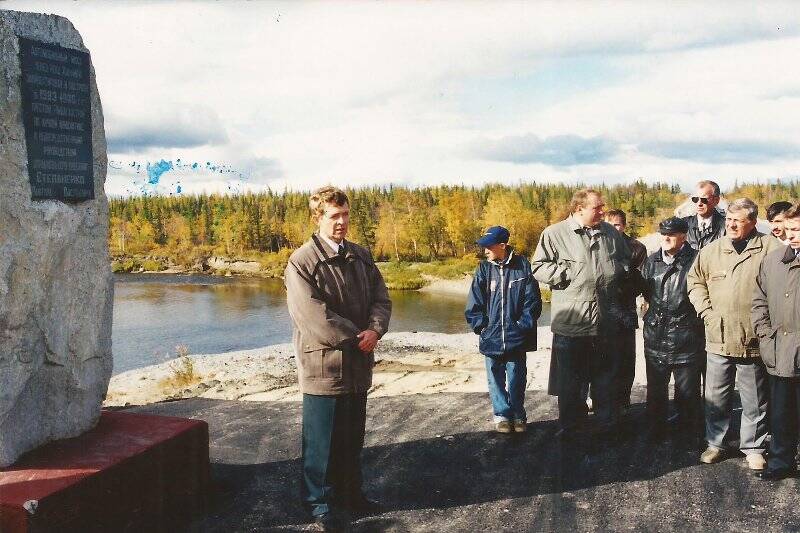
<point x="273" y="264"/>
<point x="151" y="265"/>
<point x="454" y="268"/>
<point x="183" y="373"/>
<point x="401" y="276"/>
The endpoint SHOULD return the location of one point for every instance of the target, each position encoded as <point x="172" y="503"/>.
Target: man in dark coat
<point x="340" y="308"/>
<point x="776" y="321"/>
<point x="673" y="333"/>
<point x="709" y="224"/>
<point x="627" y="337"/>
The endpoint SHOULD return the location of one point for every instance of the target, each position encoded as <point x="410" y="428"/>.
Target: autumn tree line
<point x="395" y="223"/>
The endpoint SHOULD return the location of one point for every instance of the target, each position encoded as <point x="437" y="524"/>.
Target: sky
<point x="236" y="96"/>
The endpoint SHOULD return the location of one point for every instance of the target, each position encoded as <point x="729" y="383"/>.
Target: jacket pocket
<point x="715" y="328"/>
<point x="322" y="364"/>
<point x="769" y="350"/>
<point x="573" y="311"/>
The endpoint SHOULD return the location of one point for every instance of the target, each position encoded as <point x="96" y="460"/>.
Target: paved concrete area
<point x="435" y="464"/>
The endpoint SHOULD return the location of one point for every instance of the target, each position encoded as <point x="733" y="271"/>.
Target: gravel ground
<point x="435" y="464"/>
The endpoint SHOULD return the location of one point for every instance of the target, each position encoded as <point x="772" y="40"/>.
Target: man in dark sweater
<point x="708" y="224"/>
<point x="627" y="338"/>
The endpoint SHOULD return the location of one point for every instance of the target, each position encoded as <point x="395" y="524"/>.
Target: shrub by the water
<point x="401" y="276"/>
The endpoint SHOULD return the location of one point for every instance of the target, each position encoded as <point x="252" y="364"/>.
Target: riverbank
<point x="407" y="363"/>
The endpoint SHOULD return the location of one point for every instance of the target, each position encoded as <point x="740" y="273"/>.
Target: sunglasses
<point x="696" y="199"/>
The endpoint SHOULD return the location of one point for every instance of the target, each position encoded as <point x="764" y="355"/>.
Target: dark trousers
<point x="581" y="361"/>
<point x="687" y="393"/>
<point x="626" y="371"/>
<point x="626" y="344"/>
<point x="333" y="437"/>
<point x="784" y="416"/>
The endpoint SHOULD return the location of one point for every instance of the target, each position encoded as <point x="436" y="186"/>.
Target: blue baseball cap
<point x="493" y="235"/>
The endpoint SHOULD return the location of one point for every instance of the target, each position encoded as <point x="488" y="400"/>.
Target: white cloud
<point x="300" y="94"/>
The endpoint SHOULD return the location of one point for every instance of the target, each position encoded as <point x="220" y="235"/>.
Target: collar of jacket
<point x="753" y="243"/>
<point x="577" y="227"/>
<point x="507" y="260"/>
<point x="789" y="255"/>
<point x="717" y="219"/>
<point x="685" y="250"/>
<point x="323" y="252"/>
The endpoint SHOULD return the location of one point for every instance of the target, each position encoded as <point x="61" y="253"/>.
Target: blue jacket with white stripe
<point x="503" y="306"/>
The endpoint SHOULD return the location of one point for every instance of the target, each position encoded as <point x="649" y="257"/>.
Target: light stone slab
<point x="56" y="290"/>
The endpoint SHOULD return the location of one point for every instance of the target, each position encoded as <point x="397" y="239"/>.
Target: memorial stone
<point x="56" y="288"/>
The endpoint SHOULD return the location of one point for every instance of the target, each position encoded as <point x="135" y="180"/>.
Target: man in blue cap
<point x="503" y="306"/>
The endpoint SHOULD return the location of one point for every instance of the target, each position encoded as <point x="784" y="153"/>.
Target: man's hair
<point x="323" y="196"/>
<point x="706" y="183"/>
<point x="777" y="208"/>
<point x="580" y="197"/>
<point x="793" y="211"/>
<point x="617" y="213"/>
<point x="744" y="204"/>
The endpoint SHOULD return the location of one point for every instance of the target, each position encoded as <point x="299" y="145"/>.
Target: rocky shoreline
<point x="406" y="363"/>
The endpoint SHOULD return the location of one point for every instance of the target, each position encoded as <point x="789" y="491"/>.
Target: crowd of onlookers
<point x="722" y="312"/>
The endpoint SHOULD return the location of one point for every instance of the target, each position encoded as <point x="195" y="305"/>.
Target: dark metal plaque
<point x="56" y="112"/>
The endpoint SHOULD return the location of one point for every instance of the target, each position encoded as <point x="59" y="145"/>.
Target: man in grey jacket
<point x="586" y="262"/>
<point x="776" y="320"/>
<point x="721" y="283"/>
<point x="340" y="308"/>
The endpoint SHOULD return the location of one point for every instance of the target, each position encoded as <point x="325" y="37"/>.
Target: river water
<point x="154" y="313"/>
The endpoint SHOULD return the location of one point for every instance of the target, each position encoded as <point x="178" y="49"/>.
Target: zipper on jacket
<point x="502" y="308"/>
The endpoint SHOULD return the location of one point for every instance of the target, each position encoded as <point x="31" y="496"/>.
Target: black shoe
<point x="329" y="522"/>
<point x="365" y="507"/>
<point x="770" y="474"/>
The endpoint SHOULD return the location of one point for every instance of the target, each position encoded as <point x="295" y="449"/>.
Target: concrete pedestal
<point x="132" y="472"/>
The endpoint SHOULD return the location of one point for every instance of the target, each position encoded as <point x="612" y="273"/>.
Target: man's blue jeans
<point x="507" y="375"/>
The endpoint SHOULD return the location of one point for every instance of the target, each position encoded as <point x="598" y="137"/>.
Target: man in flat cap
<point x="673" y="333"/>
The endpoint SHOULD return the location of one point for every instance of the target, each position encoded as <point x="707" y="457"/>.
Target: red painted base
<point x="132" y="472"/>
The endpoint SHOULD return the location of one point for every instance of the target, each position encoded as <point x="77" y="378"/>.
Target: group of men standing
<point x="723" y="302"/>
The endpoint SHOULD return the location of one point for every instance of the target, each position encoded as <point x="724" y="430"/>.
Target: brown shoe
<point x="504" y="426"/>
<point x="520" y="426"/>
<point x="712" y="455"/>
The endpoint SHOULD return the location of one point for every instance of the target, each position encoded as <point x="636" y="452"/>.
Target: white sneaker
<point x="504" y="426"/>
<point x="756" y="461"/>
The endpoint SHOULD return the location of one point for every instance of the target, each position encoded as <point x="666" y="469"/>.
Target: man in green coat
<point x="721" y="284"/>
<point x="586" y="262"/>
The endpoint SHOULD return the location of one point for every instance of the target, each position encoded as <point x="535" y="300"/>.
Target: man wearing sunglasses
<point x="709" y="224"/>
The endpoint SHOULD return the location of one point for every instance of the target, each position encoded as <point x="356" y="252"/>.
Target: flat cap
<point x="673" y="225"/>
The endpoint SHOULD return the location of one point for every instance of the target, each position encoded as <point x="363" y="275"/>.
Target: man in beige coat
<point x="340" y="308"/>
<point x="721" y="284"/>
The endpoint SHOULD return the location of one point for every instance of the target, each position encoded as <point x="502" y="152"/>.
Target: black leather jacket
<point x="673" y="333"/>
<point x="698" y="240"/>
